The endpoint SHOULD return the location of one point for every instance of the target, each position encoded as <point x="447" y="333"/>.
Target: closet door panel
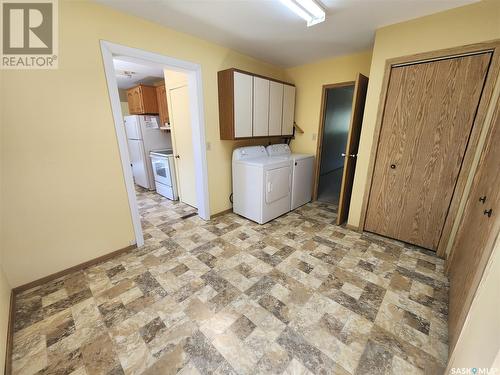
<point x="427" y="121"/>
<point x="275" y="107"/>
<point x="243" y="98"/>
<point x="477" y="232"/>
<point x="260" y="107"/>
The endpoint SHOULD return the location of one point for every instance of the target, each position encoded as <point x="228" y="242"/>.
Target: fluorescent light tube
<point x="307" y="9"/>
<point x="312" y="8"/>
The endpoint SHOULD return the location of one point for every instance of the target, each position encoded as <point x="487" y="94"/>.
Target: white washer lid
<point x="301" y="156"/>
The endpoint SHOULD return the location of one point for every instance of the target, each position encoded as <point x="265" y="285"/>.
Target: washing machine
<point x="261" y="185"/>
<point x="302" y="173"/>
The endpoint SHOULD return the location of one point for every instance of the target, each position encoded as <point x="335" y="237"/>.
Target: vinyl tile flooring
<point x="298" y="295"/>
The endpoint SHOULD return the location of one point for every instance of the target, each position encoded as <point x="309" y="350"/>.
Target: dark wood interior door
<point x="351" y="152"/>
<point x="428" y="117"/>
<point x="476" y="234"/>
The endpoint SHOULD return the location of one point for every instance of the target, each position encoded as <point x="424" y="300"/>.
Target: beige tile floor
<point x="298" y="295"/>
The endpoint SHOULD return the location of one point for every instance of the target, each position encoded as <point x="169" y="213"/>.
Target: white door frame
<point x="193" y="71"/>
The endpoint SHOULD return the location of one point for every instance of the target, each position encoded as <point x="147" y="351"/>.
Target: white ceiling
<point x="267" y="30"/>
<point x="140" y="72"/>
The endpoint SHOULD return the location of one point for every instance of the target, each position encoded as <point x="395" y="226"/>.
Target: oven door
<point x="161" y="170"/>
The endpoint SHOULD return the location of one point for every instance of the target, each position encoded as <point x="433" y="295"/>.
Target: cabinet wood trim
<point x="260" y="76"/>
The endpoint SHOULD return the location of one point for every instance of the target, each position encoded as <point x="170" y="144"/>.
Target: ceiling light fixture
<point x="307" y="9"/>
<point x="126" y="73"/>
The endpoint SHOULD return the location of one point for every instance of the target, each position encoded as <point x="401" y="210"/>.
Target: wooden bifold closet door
<point x="427" y="120"/>
<point x="477" y="232"/>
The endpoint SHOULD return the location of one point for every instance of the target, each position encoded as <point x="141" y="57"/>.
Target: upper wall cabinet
<point x="276" y="107"/>
<point x="242" y="99"/>
<point x="142" y="100"/>
<point x="254" y="106"/>
<point x="288" y="110"/>
<point x="161" y="97"/>
<point x="260" y="107"/>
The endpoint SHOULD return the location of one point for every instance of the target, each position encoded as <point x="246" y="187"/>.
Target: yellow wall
<point x="4" y="285"/>
<point x="465" y="25"/>
<point x="309" y="80"/>
<point x="4" y="316"/>
<point x="66" y="200"/>
<point x="479" y="341"/>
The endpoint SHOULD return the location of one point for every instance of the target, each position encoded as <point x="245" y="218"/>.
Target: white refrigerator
<point x="144" y="135"/>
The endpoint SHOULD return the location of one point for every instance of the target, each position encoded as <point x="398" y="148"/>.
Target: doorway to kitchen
<point x="157" y="107"/>
<point x="342" y="107"/>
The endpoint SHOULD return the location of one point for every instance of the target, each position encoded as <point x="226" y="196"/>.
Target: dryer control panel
<point x="249" y="152"/>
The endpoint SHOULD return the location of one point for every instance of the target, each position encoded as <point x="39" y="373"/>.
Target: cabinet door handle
<point x="488" y="212"/>
<point x="393" y="166"/>
<point x="482" y="199"/>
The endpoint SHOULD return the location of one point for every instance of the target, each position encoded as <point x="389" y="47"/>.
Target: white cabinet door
<point x="260" y="107"/>
<point x="275" y="107"/>
<point x="242" y="105"/>
<point x="288" y="109"/>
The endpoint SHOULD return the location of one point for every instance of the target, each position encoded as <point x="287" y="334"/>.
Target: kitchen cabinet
<point x="161" y="97"/>
<point x="242" y="94"/>
<point x="275" y="107"/>
<point x="288" y="110"/>
<point x="142" y="100"/>
<point x="260" y="107"/>
<point x="253" y="106"/>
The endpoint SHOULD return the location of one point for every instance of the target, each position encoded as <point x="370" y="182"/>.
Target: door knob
<point x="482" y="199"/>
<point x="177" y="156"/>
<point x="350" y="155"/>
<point x="393" y="166"/>
<point x="343" y="155"/>
<point x="488" y="212"/>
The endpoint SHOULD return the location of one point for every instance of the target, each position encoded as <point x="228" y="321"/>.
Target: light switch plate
<point x="209" y="146"/>
<point x="314" y="136"/>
